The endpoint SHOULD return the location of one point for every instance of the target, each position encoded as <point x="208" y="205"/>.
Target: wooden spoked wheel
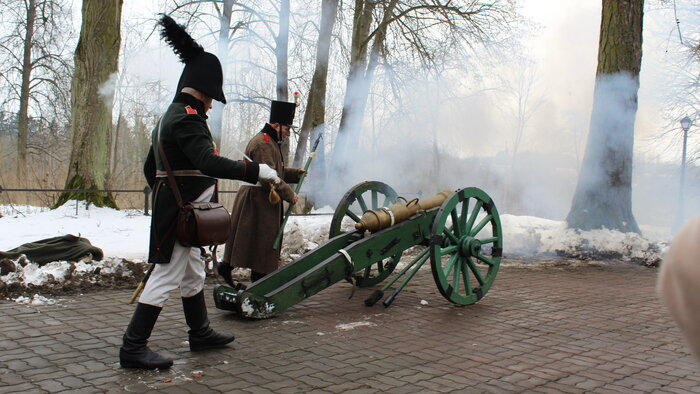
<point x="466" y="246"/>
<point x="360" y="198"/>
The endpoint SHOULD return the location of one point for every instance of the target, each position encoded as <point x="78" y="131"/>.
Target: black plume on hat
<point x="184" y="46"/>
<point x="202" y="70"/>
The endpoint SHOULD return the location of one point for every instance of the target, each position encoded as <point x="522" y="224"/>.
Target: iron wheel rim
<point x="360" y="198"/>
<point x="462" y="270"/>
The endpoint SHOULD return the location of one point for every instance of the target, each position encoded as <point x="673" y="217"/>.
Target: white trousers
<point x="185" y="270"/>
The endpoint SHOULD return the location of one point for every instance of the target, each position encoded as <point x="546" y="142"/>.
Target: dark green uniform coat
<point x="254" y="220"/>
<point x="188" y="145"/>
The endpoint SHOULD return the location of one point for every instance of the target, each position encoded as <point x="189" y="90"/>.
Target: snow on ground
<point x="121" y="234"/>
<point x="526" y="236"/>
<point x="123" y="237"/>
<point x="37" y="299"/>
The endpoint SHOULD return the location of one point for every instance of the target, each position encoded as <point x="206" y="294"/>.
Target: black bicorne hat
<point x="202" y="70"/>
<point x="282" y="112"/>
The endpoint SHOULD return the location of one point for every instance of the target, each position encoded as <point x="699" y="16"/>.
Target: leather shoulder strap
<point x="166" y="164"/>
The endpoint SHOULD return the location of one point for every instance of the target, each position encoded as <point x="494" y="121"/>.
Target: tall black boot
<point x="256" y="276"/>
<point x="224" y="269"/>
<point x="134" y="353"/>
<point x="202" y="337"/>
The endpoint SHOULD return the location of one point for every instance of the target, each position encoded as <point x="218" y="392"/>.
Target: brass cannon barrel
<point x="378" y="219"/>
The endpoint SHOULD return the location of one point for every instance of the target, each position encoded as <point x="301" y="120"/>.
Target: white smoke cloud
<point x="474" y="141"/>
<point x="469" y="132"/>
<point x="107" y="89"/>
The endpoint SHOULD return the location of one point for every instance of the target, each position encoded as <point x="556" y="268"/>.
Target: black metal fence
<point x="146" y="193"/>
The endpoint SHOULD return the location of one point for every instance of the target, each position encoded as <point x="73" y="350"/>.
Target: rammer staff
<point x="141" y="284"/>
<point x="278" y="238"/>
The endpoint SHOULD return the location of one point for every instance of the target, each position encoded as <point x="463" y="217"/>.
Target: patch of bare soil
<point x="569" y="264"/>
<point x="125" y="276"/>
<point x="649" y="260"/>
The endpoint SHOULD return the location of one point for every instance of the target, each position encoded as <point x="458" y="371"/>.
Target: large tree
<point x="603" y="196"/>
<point x="282" y="62"/>
<point x="315" y="113"/>
<point x="32" y="73"/>
<point x="96" y="64"/>
<point x="313" y="125"/>
<point x="422" y="31"/>
<point x="281" y="50"/>
<point x="265" y="26"/>
<point x="222" y="11"/>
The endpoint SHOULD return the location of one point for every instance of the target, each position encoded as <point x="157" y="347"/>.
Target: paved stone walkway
<point x="539" y="330"/>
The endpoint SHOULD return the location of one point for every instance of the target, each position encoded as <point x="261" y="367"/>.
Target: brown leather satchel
<point x="203" y="224"/>
<point x="199" y="223"/>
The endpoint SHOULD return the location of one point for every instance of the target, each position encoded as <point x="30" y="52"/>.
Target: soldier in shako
<point x="189" y="149"/>
<point x="255" y="219"/>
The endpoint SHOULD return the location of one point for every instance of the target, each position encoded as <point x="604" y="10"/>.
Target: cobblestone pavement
<point x="552" y="330"/>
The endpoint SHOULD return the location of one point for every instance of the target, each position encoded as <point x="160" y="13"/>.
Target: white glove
<point x="268" y="174"/>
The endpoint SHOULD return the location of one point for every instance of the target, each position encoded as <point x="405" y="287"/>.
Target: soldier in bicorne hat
<point x="188" y="146"/>
<point x="255" y="219"/>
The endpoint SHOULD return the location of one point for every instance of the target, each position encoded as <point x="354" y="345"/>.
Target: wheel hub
<point x="469" y="246"/>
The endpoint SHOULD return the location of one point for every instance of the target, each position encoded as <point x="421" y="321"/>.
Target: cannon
<point x="459" y="231"/>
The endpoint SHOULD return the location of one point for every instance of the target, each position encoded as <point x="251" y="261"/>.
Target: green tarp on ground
<point x="64" y="248"/>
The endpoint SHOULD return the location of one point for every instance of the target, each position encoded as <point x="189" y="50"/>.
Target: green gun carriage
<point x="460" y="232"/>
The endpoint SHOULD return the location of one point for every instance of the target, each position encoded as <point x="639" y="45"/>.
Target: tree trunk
<point x="360" y="77"/>
<point x="603" y="195"/>
<point x="365" y="82"/>
<point x="362" y="20"/>
<point x="96" y="58"/>
<point x="315" y="114"/>
<point x="216" y="115"/>
<point x="23" y="116"/>
<point x="281" y="50"/>
<point x="282" y="73"/>
<point x="350" y="117"/>
<point x="116" y="153"/>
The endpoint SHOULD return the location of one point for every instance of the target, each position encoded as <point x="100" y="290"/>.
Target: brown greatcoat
<point x="254" y="220"/>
